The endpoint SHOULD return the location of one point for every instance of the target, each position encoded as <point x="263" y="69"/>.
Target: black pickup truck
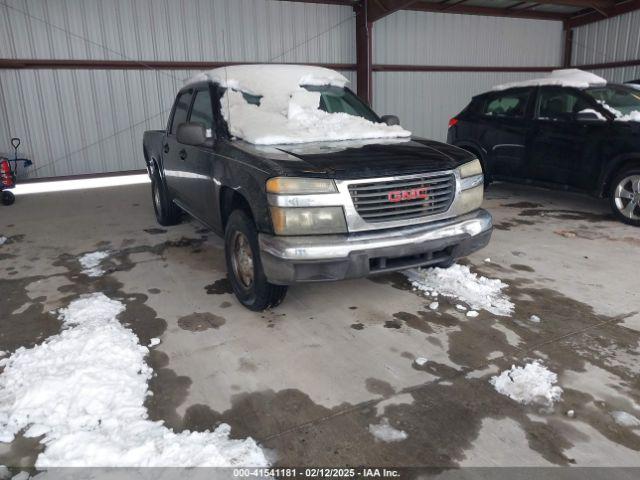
<point x="318" y="211"/>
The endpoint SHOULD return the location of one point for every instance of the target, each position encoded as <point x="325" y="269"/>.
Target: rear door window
<point x="509" y="104"/>
<point x="181" y="111"/>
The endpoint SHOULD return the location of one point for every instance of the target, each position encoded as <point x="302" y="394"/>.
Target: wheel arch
<point x="230" y="200"/>
<point x="614" y="168"/>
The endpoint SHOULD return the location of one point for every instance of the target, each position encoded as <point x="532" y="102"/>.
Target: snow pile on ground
<point x="3" y="239"/>
<point x="457" y="281"/>
<point x="625" y="419"/>
<point x="386" y="433"/>
<point x="91" y="263"/>
<point x="569" y="77"/>
<point x="528" y="384"/>
<point x="84" y="390"/>
<point x="287" y="113"/>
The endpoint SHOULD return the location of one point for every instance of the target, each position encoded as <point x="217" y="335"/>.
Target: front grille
<point x="373" y="200"/>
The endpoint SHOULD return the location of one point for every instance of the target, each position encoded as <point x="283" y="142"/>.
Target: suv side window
<point x="183" y="102"/>
<point x="510" y="104"/>
<point x="202" y="111"/>
<point x="559" y="104"/>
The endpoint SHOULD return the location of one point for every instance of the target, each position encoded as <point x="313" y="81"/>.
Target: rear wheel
<point x="244" y="266"/>
<point x="167" y="212"/>
<point x="625" y="196"/>
<point x="8" y="198"/>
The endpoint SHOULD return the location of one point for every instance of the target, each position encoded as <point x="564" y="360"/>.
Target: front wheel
<point x="8" y="198"/>
<point x="244" y="266"/>
<point x="625" y="196"/>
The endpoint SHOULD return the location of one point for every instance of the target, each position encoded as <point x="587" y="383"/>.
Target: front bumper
<point x="288" y="260"/>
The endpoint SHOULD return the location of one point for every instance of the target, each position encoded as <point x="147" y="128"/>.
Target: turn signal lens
<point x="293" y="186"/>
<point x="453" y="122"/>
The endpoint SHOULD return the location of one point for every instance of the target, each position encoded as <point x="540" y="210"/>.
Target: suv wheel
<point x="244" y="266"/>
<point x="167" y="212"/>
<point x="625" y="196"/>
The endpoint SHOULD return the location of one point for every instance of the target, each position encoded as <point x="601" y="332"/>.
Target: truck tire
<point x="244" y="266"/>
<point x="625" y="196"/>
<point x="167" y="212"/>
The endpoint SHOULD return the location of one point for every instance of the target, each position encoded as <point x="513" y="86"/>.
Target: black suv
<point x="585" y="139"/>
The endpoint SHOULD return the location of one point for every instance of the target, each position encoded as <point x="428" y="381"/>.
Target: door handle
<point x="183" y="154"/>
<point x="165" y="149"/>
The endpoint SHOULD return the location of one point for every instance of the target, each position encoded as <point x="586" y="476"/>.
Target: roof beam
<point x="578" y="3"/>
<point x="346" y="3"/>
<point x="586" y="17"/>
<point x="378" y="9"/>
<point x="485" y="11"/>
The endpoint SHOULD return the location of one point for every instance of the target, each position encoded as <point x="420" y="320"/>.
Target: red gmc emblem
<point x="412" y="194"/>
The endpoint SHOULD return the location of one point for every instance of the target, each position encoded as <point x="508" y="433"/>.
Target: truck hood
<point x="366" y="159"/>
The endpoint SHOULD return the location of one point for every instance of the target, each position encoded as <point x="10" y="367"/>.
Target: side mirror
<point x="390" y="120"/>
<point x="589" y="116"/>
<point x="193" y="134"/>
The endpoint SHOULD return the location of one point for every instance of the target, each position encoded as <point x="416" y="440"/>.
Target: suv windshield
<point x="619" y="99"/>
<point x="342" y="100"/>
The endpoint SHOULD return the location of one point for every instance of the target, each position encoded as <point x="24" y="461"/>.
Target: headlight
<point x="471" y="187"/>
<point x="293" y="186"/>
<point x="470" y="169"/>
<point x="470" y="199"/>
<point x="471" y="175"/>
<point x="308" y="221"/>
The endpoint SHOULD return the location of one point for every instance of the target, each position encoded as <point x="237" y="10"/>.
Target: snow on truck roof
<point x="569" y="77"/>
<point x="257" y="79"/>
<point x="287" y="113"/>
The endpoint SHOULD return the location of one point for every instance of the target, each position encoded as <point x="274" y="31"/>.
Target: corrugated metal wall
<point x="91" y="121"/>
<point x="610" y="40"/>
<point x="425" y="101"/>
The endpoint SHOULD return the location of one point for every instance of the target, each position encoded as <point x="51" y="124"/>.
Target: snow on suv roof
<point x="282" y="111"/>
<point x="569" y="77"/>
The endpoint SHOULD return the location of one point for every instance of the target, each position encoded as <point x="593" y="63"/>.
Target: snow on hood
<point x="287" y="113"/>
<point x="569" y="77"/>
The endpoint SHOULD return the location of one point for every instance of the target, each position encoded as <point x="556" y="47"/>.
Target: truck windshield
<point x="342" y="100"/>
<point x="618" y="99"/>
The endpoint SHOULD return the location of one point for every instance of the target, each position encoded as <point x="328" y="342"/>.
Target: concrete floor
<point x="307" y="378"/>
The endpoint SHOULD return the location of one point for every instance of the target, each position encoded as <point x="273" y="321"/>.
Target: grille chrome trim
<point x="439" y="188"/>
<point x="356" y="222"/>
